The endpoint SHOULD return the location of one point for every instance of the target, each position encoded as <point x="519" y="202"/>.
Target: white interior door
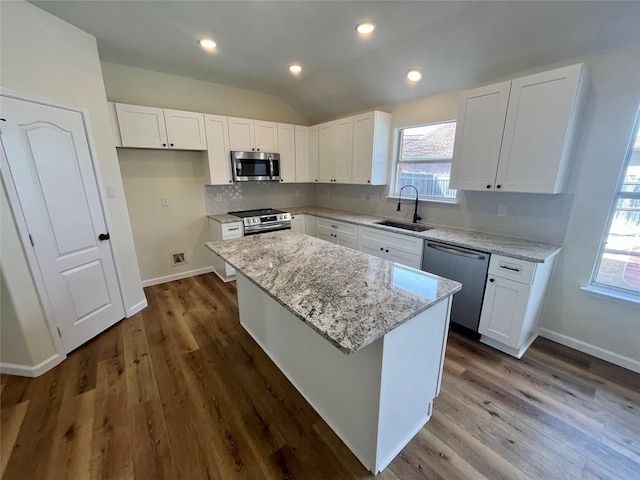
<point x="50" y="162"/>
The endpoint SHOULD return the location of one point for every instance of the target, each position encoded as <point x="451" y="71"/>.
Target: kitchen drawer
<point x="396" y="241"/>
<point x="512" y="269"/>
<point x="338" y="226"/>
<point x="232" y="230"/>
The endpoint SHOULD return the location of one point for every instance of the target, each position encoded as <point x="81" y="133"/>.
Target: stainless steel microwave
<point x="255" y="166"/>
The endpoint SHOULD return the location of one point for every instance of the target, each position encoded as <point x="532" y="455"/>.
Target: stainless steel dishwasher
<point x="469" y="267"/>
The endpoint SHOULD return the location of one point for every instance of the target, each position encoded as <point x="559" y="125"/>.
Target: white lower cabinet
<point x="224" y="231"/>
<point x="345" y="234"/>
<point x="513" y="301"/>
<point x="310" y="225"/>
<point x="395" y="247"/>
<point x="298" y="223"/>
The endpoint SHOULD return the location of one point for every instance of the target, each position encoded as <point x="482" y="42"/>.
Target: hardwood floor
<point x="180" y="391"/>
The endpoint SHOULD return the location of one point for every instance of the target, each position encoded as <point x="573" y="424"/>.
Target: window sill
<point x="612" y="295"/>
<point x="408" y="199"/>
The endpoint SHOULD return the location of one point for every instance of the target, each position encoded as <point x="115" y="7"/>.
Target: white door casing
<point x="50" y="163"/>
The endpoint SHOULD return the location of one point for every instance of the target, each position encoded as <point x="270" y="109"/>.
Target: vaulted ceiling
<point x="455" y="44"/>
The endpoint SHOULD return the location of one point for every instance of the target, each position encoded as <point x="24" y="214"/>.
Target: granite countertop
<point x="512" y="247"/>
<point x="348" y="297"/>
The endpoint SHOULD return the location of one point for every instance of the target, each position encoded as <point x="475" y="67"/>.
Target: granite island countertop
<point x="349" y="297"/>
<point x="512" y="247"/>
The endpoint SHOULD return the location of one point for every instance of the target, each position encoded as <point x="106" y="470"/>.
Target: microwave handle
<point x="271" y="174"/>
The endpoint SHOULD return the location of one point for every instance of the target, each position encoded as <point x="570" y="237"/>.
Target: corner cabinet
<point x="161" y="128"/>
<point x="513" y="300"/>
<point x="218" y="165"/>
<point x="516" y="136"/>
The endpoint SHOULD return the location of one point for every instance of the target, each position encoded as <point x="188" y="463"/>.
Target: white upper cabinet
<point x="371" y="134"/>
<point x="287" y="146"/>
<point x="150" y="127"/>
<point x="185" y="130"/>
<point x="314" y="153"/>
<point x="306" y="153"/>
<point x="248" y="135"/>
<point x="327" y="152"/>
<point x="218" y="166"/>
<point x="353" y="149"/>
<point x="344" y="150"/>
<point x="480" y="124"/>
<point x="266" y="136"/>
<point x="525" y="147"/>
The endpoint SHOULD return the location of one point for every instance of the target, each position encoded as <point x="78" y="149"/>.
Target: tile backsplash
<point x="535" y="217"/>
<point x="249" y="195"/>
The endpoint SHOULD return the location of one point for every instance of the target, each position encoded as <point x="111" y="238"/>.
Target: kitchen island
<point x="360" y="337"/>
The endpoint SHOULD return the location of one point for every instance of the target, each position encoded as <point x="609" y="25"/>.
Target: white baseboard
<point x="601" y="353"/>
<point x="131" y="311"/>
<point x="32" y="371"/>
<point x="177" y="276"/>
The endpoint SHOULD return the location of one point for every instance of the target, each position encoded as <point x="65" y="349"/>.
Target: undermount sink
<point x="414" y="227"/>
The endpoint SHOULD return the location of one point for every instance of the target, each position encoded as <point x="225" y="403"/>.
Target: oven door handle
<point x="266" y="228"/>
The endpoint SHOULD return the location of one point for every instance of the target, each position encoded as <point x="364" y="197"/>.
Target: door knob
<point x="103" y="236"/>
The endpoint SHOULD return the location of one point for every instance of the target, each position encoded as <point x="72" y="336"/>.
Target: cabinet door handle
<point x="492" y="280"/>
<point x="381" y="249"/>
<point x="171" y="144"/>
<point x="104" y="236"/>
<point x="498" y="186"/>
<point x="386" y="251"/>
<point x="488" y="186"/>
<point x="164" y="144"/>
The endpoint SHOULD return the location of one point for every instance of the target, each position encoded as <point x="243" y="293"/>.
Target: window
<point x="424" y="160"/>
<point x="618" y="265"/>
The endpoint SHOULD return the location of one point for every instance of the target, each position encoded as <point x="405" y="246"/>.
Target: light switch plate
<point x="111" y="191"/>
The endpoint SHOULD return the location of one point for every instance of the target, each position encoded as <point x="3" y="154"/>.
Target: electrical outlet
<point x="218" y="197"/>
<point x="502" y="210"/>
<point x="178" y="258"/>
<point x="165" y="201"/>
<point x="111" y="191"/>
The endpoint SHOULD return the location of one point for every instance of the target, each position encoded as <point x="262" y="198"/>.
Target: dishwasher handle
<point x="456" y="251"/>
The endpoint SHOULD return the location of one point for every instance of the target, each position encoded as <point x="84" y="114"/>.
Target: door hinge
<point x="59" y="334"/>
<point x="31" y="240"/>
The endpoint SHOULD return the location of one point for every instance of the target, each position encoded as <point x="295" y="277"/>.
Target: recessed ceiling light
<point x="207" y="43"/>
<point x="365" y="28"/>
<point x="414" y="75"/>
<point x="295" y="69"/>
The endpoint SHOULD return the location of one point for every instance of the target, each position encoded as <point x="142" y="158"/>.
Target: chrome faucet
<point x="416" y="217"/>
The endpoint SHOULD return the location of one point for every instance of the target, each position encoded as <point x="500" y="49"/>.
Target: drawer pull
<point x="513" y="269"/>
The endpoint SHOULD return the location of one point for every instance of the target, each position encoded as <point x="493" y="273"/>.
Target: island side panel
<point x="411" y="372"/>
<point x="343" y="389"/>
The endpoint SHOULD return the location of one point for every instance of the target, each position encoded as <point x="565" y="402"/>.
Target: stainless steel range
<point x="263" y="220"/>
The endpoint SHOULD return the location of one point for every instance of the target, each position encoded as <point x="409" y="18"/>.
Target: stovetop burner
<point x="255" y="213"/>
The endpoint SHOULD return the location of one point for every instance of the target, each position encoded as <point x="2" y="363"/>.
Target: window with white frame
<point x="618" y="264"/>
<point x="423" y="159"/>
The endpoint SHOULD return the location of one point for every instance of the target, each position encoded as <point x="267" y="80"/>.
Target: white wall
<point x="598" y="326"/>
<point x="46" y="57"/>
<point x="149" y="175"/>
